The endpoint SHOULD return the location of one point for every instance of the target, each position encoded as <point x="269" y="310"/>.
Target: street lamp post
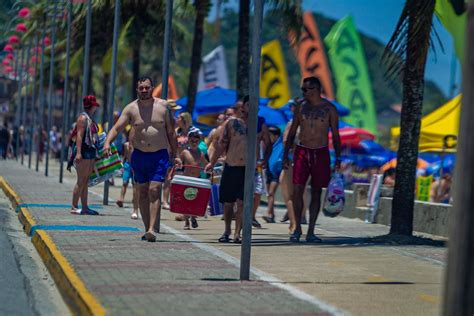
<point x="66" y="90"/>
<point x="33" y="105"/>
<point x="112" y="82"/>
<point x="18" y="106"/>
<point x="165" y="74"/>
<point x="50" y="87"/>
<point x="87" y="47"/>
<point x="25" y="101"/>
<point x="41" y="91"/>
<point x="251" y="141"/>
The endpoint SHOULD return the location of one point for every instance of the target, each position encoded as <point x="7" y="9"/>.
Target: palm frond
<point x="290" y="12"/>
<point x="410" y="34"/>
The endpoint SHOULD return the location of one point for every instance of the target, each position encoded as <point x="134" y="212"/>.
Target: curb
<point x="78" y="298"/>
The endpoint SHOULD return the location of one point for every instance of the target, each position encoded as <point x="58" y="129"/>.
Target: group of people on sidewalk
<point x="155" y="149"/>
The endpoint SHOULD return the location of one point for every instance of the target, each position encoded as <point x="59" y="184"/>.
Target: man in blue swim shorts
<point x="154" y="134"/>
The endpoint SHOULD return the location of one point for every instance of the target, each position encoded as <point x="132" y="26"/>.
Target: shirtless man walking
<point x="154" y="133"/>
<point x="314" y="116"/>
<point x="232" y="143"/>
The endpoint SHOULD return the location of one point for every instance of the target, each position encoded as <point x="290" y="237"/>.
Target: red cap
<point x="89" y="101"/>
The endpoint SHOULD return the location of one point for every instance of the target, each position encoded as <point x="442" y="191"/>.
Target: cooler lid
<point x="191" y="181"/>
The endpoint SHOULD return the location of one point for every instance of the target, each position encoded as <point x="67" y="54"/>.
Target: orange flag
<point x="172" y="93"/>
<point x="311" y="56"/>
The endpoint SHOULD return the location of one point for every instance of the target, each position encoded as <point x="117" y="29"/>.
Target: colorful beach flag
<point x="349" y="66"/>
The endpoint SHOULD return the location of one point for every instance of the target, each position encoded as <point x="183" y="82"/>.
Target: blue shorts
<point x="150" y="166"/>
<point x="127" y="172"/>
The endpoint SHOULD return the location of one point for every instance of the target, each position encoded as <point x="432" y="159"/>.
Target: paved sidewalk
<point x="188" y="272"/>
<point x="129" y="276"/>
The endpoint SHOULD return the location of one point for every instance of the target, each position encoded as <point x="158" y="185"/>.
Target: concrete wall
<point x="430" y="218"/>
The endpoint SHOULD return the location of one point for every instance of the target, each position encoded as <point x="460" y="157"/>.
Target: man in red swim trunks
<point x="314" y="116"/>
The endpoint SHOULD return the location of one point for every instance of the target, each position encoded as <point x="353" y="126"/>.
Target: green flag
<point x="349" y="67"/>
<point x="455" y="22"/>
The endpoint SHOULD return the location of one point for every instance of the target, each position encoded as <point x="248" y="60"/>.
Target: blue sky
<point x="377" y="19"/>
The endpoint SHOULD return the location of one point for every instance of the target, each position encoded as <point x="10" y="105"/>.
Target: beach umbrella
<point x="272" y="116"/>
<point x="421" y="164"/>
<point x="5" y="62"/>
<point x="47" y="41"/>
<point x="213" y="100"/>
<point x="10" y="56"/>
<point x="352" y="136"/>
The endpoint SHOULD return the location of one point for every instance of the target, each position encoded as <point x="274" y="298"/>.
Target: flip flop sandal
<point x="134" y="216"/>
<point x="194" y="223"/>
<point x="76" y="211"/>
<point x="90" y="212"/>
<point x="150" y="237"/>
<point x="224" y="238"/>
<point x="119" y="203"/>
<point x="313" y="239"/>
<point x="237" y="240"/>
<point x="295" y="237"/>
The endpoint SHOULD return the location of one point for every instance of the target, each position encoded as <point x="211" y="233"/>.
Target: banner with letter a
<point x="311" y="56"/>
<point x="274" y="78"/>
<point x="349" y="66"/>
<point x="213" y="70"/>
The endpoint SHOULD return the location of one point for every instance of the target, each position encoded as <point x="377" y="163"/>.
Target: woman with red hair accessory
<point x="83" y="153"/>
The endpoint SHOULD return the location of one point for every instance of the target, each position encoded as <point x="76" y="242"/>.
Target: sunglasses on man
<point x="145" y="88"/>
<point x="304" y="89"/>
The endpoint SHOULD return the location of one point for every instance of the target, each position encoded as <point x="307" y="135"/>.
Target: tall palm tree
<point x="202" y="8"/>
<point x="406" y="54"/>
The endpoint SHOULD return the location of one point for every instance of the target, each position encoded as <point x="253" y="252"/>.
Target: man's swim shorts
<point x="150" y="166"/>
<point x="312" y="162"/>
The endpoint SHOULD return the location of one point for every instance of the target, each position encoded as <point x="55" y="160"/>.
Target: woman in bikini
<point x="84" y="146"/>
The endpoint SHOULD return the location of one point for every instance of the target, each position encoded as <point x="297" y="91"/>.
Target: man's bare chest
<point x="146" y="119"/>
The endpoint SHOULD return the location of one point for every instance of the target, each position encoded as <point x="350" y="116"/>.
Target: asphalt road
<point x="26" y="287"/>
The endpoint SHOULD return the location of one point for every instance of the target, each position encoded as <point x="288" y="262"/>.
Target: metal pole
<point x="87" y="48"/>
<point x="50" y="87"/>
<point x="251" y="141"/>
<point x="112" y="83"/>
<point x="65" y="94"/>
<point x="18" y="108"/>
<point x="166" y="49"/>
<point x="41" y="92"/>
<point x="33" y="106"/>
<point x="165" y="72"/>
<point x="25" y="101"/>
<point x="459" y="285"/>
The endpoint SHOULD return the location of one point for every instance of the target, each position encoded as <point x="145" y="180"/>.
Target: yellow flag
<point x="274" y="78"/>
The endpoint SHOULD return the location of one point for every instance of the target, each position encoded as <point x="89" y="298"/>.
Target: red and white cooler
<point x="189" y="195"/>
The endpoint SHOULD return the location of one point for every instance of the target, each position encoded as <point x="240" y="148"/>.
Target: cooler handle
<point x="195" y="167"/>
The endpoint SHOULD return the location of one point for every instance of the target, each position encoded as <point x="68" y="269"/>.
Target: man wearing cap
<point x="154" y="144"/>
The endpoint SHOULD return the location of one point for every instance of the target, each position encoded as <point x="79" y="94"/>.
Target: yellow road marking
<point x="77" y="296"/>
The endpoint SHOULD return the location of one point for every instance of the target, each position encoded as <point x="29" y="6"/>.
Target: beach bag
<point x="105" y="168"/>
<point x="334" y="199"/>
